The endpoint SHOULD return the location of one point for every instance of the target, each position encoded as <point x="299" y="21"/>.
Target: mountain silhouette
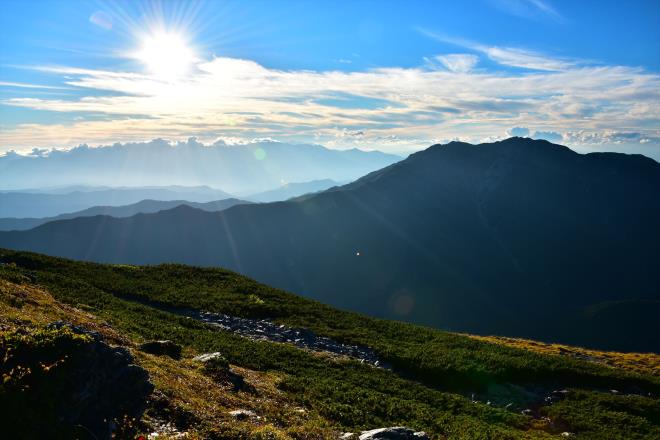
<point x="141" y="207"/>
<point x="22" y="204"/>
<point x="239" y="169"/>
<point x="519" y="237"/>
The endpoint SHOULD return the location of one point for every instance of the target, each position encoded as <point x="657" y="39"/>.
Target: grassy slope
<point x="345" y="395"/>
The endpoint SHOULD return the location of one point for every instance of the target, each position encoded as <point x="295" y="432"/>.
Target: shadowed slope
<point x="141" y="207"/>
<point x="519" y="237"/>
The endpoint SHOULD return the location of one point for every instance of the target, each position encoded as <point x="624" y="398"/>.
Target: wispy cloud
<point x="387" y="108"/>
<point x="101" y="19"/>
<point x="507" y="56"/>
<point x="458" y="62"/>
<point x="28" y="85"/>
<point x="525" y="59"/>
<point x="528" y="8"/>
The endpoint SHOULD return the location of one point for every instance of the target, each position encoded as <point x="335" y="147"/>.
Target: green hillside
<point x="448" y="385"/>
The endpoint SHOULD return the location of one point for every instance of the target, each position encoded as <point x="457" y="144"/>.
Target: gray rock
<point x="243" y="414"/>
<point x="162" y="348"/>
<point x="216" y="366"/>
<point x="393" y="433"/>
<point x="206" y="357"/>
<point x="266" y="330"/>
<point x="105" y="385"/>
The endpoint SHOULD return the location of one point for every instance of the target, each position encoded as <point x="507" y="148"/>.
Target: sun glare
<point x="166" y="55"/>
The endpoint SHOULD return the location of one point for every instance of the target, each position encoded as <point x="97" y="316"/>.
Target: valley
<point x="443" y="383"/>
<point x="518" y="238"/>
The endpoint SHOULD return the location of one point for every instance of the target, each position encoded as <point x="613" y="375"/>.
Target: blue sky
<point x="395" y="76"/>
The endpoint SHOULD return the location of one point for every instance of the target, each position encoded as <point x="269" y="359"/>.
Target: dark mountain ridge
<point x="519" y="238"/>
<point x="35" y="204"/>
<point x="141" y="207"/>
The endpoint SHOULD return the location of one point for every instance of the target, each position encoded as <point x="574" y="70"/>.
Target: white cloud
<point x="518" y="131"/>
<point x="507" y="56"/>
<point x="612" y="137"/>
<point x="396" y="108"/>
<point x="528" y="8"/>
<point x="525" y="59"/>
<point x="28" y="86"/>
<point x="458" y="62"/>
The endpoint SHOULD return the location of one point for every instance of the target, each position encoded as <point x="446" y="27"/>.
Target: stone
<point x="206" y="357"/>
<point x="393" y="433"/>
<point x="216" y="366"/>
<point x="267" y="330"/>
<point x="162" y="348"/>
<point x="104" y="385"/>
<point x="243" y="414"/>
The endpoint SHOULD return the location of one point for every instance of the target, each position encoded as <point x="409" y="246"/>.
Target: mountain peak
<point x="519" y="145"/>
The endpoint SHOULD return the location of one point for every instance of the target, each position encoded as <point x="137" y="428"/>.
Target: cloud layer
<point x="396" y="109"/>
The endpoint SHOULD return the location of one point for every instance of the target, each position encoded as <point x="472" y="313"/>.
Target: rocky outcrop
<point x="110" y="387"/>
<point x="79" y="386"/>
<point x="243" y="414"/>
<point x="216" y="366"/>
<point x="263" y="329"/>
<point x="394" y="433"/>
<point x="162" y="348"/>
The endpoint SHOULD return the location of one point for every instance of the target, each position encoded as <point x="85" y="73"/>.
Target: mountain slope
<point x="519" y="238"/>
<point x="449" y="385"/>
<point x="18" y="204"/>
<point x="141" y="207"/>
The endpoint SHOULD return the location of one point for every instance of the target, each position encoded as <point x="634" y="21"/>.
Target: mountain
<point x="518" y="237"/>
<point x="209" y="354"/>
<point x="239" y="169"/>
<point x="21" y="204"/>
<point x="291" y="190"/>
<point x="141" y="207"/>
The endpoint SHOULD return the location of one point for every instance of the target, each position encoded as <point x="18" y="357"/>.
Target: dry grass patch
<point x="643" y="363"/>
<point x="203" y="406"/>
<point x="26" y="305"/>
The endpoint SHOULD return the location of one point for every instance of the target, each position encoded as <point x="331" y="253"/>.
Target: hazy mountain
<point x="518" y="237"/>
<point x="239" y="169"/>
<point x="142" y="207"/>
<point x="17" y="204"/>
<point x="291" y="190"/>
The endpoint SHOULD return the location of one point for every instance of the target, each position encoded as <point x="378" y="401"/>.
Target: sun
<point x="166" y="55"/>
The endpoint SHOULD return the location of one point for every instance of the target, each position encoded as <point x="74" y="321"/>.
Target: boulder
<point x="393" y="433"/>
<point x="206" y="357"/>
<point x="217" y="367"/>
<point x="243" y="414"/>
<point x="80" y="387"/>
<point x="162" y="348"/>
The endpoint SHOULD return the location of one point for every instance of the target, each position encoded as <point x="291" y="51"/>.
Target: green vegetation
<point x="434" y="370"/>
<point x="36" y="367"/>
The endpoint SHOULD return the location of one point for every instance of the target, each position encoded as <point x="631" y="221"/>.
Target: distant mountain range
<point x="238" y="169"/>
<point x="142" y="207"/>
<point x="519" y="237"/>
<point x="20" y="204"/>
<point x="291" y="190"/>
